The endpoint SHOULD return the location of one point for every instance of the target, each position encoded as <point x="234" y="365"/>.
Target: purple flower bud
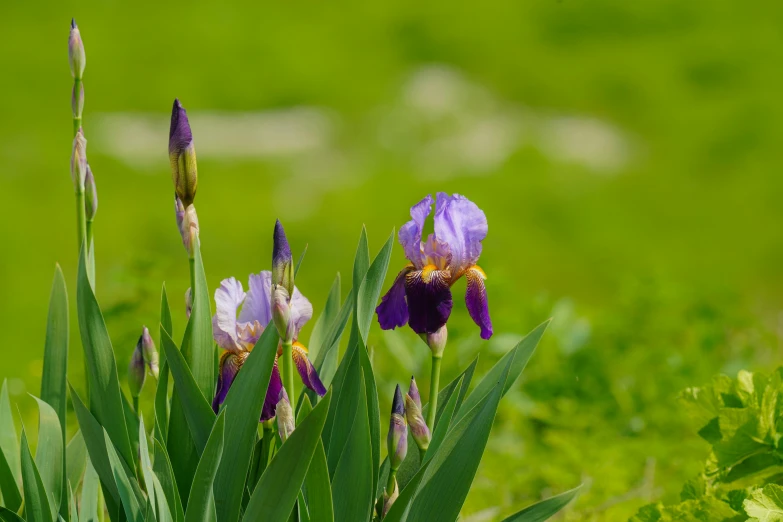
<point x="281" y="313"/>
<point x="282" y="260"/>
<point x="188" y="301"/>
<point x="397" y="439"/>
<point x="419" y="430"/>
<point x="136" y="371"/>
<point x="77" y="99"/>
<point x="187" y="222"/>
<point x="182" y="155"/>
<point x="413" y="392"/>
<point x="148" y="351"/>
<point x="437" y="341"/>
<point x="90" y="195"/>
<point x="76" y="56"/>
<point x="285" y="416"/>
<point x="79" y="161"/>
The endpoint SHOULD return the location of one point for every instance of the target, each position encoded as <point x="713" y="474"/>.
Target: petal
<point x="429" y="299"/>
<point x="257" y="306"/>
<point x="301" y="311"/>
<point x="307" y="370"/>
<point x="224" y="324"/>
<point x="436" y="252"/>
<point x="272" y="394"/>
<point x="393" y="310"/>
<point x="476" y="300"/>
<point x="462" y="225"/>
<point x="230" y="364"/>
<point x="410" y="232"/>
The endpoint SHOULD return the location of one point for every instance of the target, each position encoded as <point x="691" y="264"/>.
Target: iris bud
<point x="182" y="155"/>
<point x="136" y="371"/>
<point x="285" y="416"/>
<point x="91" y="195"/>
<point x="187" y="222"/>
<point x="281" y="313"/>
<point x="397" y="439"/>
<point x="76" y="56"/>
<point x="437" y="341"/>
<point x="282" y="260"/>
<point x="148" y="351"/>
<point x="388" y="500"/>
<point x="79" y="161"/>
<point x="419" y="430"/>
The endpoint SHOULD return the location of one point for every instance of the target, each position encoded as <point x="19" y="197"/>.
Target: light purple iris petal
<point x="307" y="370"/>
<point x="437" y="251"/>
<point x="229" y="367"/>
<point x="476" y="300"/>
<point x="429" y="303"/>
<point x="224" y="324"/>
<point x="257" y="306"/>
<point x="301" y="311"/>
<point x="460" y="223"/>
<point x="410" y="232"/>
<point x="393" y="310"/>
<point x="272" y="394"/>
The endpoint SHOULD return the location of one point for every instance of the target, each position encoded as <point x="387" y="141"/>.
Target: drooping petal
<point x="272" y="394"/>
<point x="476" y="300"/>
<point x="224" y="323"/>
<point x="429" y="299"/>
<point x="462" y="225"/>
<point x="393" y="310"/>
<point x="257" y="306"/>
<point x="410" y="232"/>
<point x="307" y="370"/>
<point x="301" y="311"/>
<point x="230" y="364"/>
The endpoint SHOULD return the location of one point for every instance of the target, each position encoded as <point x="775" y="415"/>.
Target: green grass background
<point x="658" y="273"/>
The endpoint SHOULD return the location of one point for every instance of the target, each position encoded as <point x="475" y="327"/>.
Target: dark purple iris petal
<point x="307" y="371"/>
<point x="429" y="303"/>
<point x="393" y="310"/>
<point x="476" y="300"/>
<point x="272" y="395"/>
<point x="230" y="364"/>
<point x="180" y="135"/>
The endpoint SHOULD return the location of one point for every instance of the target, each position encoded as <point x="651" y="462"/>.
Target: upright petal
<point x="462" y="225"/>
<point x="307" y="370"/>
<point x="429" y="299"/>
<point x="301" y="311"/>
<point x="410" y="232"/>
<point x="257" y="306"/>
<point x="230" y="364"/>
<point x="476" y="300"/>
<point x="393" y="310"/>
<point x="224" y="324"/>
<point x="272" y="394"/>
<point x="436" y="252"/>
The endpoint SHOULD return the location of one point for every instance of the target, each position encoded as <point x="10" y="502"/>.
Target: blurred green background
<point x="626" y="155"/>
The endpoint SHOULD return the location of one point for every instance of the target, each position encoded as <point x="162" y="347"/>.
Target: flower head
<point x="419" y="430"/>
<point x="182" y="155"/>
<point x="76" y="56"/>
<point x="90" y="195"/>
<point x="187" y="223"/>
<point x="148" y="351"/>
<point x="79" y="161"/>
<point x="136" y="371"/>
<point x="285" y="416"/>
<point x="421" y="294"/>
<point x="282" y="260"/>
<point x="397" y="439"/>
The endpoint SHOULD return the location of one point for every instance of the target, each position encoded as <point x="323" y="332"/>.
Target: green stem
<point x="77" y="119"/>
<point x="81" y="220"/>
<point x="192" y="262"/>
<point x="286" y="366"/>
<point x="390" y="483"/>
<point x="434" y="387"/>
<point x="136" y="405"/>
<point x="90" y="254"/>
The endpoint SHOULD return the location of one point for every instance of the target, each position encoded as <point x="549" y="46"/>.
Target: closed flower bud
<point x="281" y="313"/>
<point x="90" y="195"/>
<point x="188" y="302"/>
<point x="436" y="341"/>
<point x="187" y="222"/>
<point x="388" y="500"/>
<point x="76" y="56"/>
<point x="182" y="155"/>
<point x="136" y="371"/>
<point x="149" y="352"/>
<point x="79" y="161"/>
<point x="418" y="426"/>
<point x="397" y="439"/>
<point x="77" y="99"/>
<point x="282" y="260"/>
<point x="285" y="416"/>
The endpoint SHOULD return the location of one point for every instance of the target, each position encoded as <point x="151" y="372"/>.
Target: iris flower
<point x="238" y="335"/>
<point x="421" y="294"/>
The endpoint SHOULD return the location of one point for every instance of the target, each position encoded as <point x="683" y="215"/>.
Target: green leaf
<point x="132" y="501"/>
<point x="299" y="262"/>
<point x="75" y="459"/>
<point x="442" y="426"/>
<point x="545" y="509"/>
<point x="243" y="406"/>
<point x="49" y="453"/>
<point x="165" y="312"/>
<point x="347" y="398"/>
<point x="37" y="507"/>
<point x="73" y="512"/>
<point x="373" y="411"/>
<point x="89" y="502"/>
<point x="146" y="463"/>
<point x="516" y="359"/>
<point x="197" y="346"/>
<point x="198" y="412"/>
<point x="277" y="489"/>
<point x="164" y="473"/>
<point x="201" y="500"/>
<point x="318" y="490"/>
<point x="6" y="515"/>
<point x="53" y="381"/>
<point x="12" y="498"/>
<point x="326" y="360"/>
<point x="352" y="491"/>
<point x="106" y="404"/>
<point x="361" y="261"/>
<point x="370" y="288"/>
<point x="162" y="506"/>
<point x="8" y="441"/>
<point x="162" y="403"/>
<point x="325" y="320"/>
<point x="766" y="503"/>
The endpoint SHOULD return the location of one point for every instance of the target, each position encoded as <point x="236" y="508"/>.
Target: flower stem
<point x="286" y="364"/>
<point x="136" y="405"/>
<point x="390" y="483"/>
<point x="81" y="221"/>
<point x="434" y="387"/>
<point x="77" y="119"/>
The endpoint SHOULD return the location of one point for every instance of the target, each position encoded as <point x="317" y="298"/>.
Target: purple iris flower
<point x="421" y="294"/>
<point x="238" y="335"/>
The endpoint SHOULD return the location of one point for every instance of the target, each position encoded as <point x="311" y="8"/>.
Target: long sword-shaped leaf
<point x="53" y="382"/>
<point x="49" y="453"/>
<point x="541" y="511"/>
<point x="370" y="288"/>
<point x="162" y="389"/>
<point x="133" y="505"/>
<point x="164" y="473"/>
<point x="243" y="406"/>
<point x="75" y="459"/>
<point x="106" y="404"/>
<point x="88" y="507"/>
<point x="6" y="515"/>
<point x="9" y="444"/>
<point x="277" y="489"/>
<point x="37" y="507"/>
<point x="12" y="498"/>
<point x="325" y="320"/>
<point x="318" y="488"/>
<point x="197" y="346"/>
<point x="201" y="500"/>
